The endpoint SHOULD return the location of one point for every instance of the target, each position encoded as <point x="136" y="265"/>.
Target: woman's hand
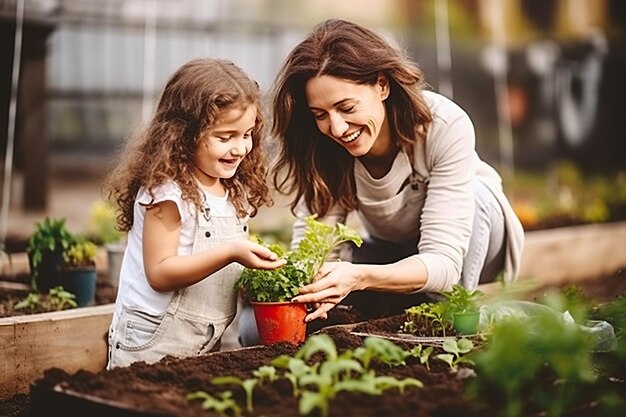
<point x="332" y="283"/>
<point x="253" y="255"/>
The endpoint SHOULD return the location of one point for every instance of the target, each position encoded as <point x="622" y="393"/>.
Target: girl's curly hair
<point x="193" y="100"/>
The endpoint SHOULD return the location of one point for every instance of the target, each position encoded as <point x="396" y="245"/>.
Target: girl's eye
<point x="319" y="116"/>
<point x="348" y="109"/>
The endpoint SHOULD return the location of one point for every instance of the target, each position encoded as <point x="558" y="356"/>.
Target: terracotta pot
<point x="466" y="323"/>
<point x="280" y="322"/>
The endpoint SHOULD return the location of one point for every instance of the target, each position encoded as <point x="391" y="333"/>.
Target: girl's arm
<point x="168" y="271"/>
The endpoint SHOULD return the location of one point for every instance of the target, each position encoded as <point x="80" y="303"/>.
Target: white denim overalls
<point x="196" y="317"/>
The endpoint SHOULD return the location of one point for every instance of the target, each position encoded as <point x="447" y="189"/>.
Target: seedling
<point x="57" y="299"/>
<point x="456" y="350"/>
<point x="316" y="385"/>
<point x="221" y="405"/>
<point x="426" y="316"/>
<point x="246" y="384"/>
<point x="422" y="354"/>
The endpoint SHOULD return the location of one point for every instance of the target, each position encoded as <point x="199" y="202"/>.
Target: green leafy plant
<point x="461" y="300"/>
<point x="80" y="254"/>
<point x="423" y="354"/>
<point x="456" y="351"/>
<point x="523" y="347"/>
<point x="57" y="299"/>
<point x="282" y="284"/>
<point x="49" y="236"/>
<point x="426" y="317"/>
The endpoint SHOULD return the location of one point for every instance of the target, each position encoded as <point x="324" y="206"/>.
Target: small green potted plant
<point x="45" y="252"/>
<point x="462" y="308"/>
<point x="78" y="271"/>
<point x="270" y="292"/>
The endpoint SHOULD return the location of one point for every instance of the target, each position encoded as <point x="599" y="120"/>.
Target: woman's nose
<point x="338" y="126"/>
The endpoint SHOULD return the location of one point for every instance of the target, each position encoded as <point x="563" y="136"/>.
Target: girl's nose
<point x="239" y="148"/>
<point x="338" y="126"/>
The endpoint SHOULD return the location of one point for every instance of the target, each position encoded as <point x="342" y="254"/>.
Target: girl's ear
<point x="383" y="84"/>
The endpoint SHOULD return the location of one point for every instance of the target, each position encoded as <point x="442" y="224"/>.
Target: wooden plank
<point x="69" y="340"/>
<point x="570" y="254"/>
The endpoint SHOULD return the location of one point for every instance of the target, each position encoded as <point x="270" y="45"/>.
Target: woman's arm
<point x="168" y="271"/>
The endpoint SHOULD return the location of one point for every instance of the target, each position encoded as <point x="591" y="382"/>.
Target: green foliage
<point x="80" y="254"/>
<point x="247" y="385"/>
<point x="426" y="316"/>
<point x="57" y="299"/>
<point x="221" y="405"/>
<point x="282" y="284"/>
<point x="49" y="235"/>
<point x="457" y="349"/>
<point x="523" y="347"/>
<point x="460" y="300"/>
<point x="316" y="385"/>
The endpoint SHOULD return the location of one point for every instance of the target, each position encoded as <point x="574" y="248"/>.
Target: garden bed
<point x="160" y="389"/>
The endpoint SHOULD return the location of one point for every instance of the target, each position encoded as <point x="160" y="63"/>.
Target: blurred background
<point x="541" y="79"/>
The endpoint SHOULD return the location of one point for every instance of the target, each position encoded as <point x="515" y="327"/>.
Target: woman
<point x="360" y="133"/>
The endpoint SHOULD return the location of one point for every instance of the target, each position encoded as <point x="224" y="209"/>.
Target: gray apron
<point x="196" y="317"/>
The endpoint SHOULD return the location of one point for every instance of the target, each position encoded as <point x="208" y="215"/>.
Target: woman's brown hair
<point x="310" y="165"/>
<point x="193" y="100"/>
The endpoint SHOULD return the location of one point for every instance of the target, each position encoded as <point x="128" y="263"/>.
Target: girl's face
<point x="221" y="148"/>
<point x="353" y="115"/>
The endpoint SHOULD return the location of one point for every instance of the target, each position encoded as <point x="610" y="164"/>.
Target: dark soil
<point x="160" y="389"/>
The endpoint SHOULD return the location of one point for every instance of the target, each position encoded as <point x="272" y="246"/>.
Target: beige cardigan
<point x="440" y="211"/>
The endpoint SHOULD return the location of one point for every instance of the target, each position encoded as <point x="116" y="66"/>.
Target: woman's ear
<point x="383" y="84"/>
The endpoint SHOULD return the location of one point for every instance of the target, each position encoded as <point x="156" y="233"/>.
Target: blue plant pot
<point x="81" y="283"/>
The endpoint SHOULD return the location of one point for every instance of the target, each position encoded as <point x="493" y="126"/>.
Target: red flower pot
<point x="280" y="322"/>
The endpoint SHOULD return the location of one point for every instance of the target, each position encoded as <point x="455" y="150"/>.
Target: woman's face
<point x="221" y="148"/>
<point x="353" y="115"/>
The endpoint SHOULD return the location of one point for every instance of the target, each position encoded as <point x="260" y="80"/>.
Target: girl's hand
<point x="332" y="283"/>
<point x="253" y="255"/>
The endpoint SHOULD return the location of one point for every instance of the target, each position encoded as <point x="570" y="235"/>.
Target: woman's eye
<point x="348" y="109"/>
<point x="319" y="116"/>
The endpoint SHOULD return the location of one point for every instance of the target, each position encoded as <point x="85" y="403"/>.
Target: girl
<point x="185" y="189"/>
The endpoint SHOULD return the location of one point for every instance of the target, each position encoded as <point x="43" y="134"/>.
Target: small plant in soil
<point x="282" y="284"/>
<point x="57" y="299"/>
<point x="316" y="384"/>
<point x="426" y="319"/>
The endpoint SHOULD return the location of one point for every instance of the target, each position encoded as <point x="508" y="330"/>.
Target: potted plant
<point x="102" y="227"/>
<point x="462" y="308"/>
<point x="78" y="271"/>
<point x="270" y="292"/>
<point x="45" y="252"/>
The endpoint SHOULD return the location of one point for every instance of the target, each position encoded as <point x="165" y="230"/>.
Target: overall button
<point x="207" y="234"/>
<point x="245" y="228"/>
